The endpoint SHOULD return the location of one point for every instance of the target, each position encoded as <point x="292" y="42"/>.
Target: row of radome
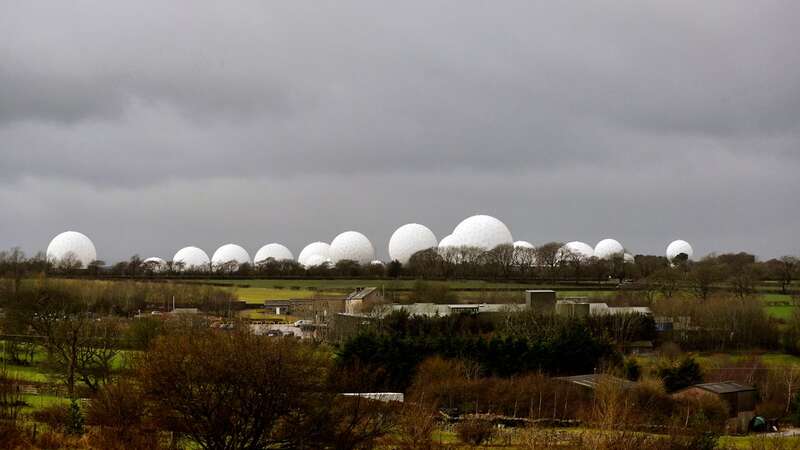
<point x="479" y="231"/>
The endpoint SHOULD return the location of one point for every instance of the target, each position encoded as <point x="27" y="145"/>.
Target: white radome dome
<point x="376" y="262"/>
<point x="155" y="263"/>
<point x="629" y="258"/>
<point x="608" y="248"/>
<point x="192" y="258"/>
<point x="409" y="239"/>
<point x="317" y="260"/>
<point x="230" y="253"/>
<point x="482" y="231"/>
<point x="314" y="248"/>
<point x="448" y="241"/>
<point x="275" y="251"/>
<point x="578" y="249"/>
<point x="523" y="244"/>
<point x="679" y="247"/>
<point x="74" y="244"/>
<point x="352" y="245"/>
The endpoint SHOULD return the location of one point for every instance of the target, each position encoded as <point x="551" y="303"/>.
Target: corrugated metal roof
<point x="592" y="380"/>
<point x="723" y="387"/>
<point x="360" y="293"/>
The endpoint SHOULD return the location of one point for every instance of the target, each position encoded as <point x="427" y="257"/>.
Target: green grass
<point x="32" y="374"/>
<point x="42" y="401"/>
<point x="778" y="312"/>
<point x="752" y="441"/>
<point x="259" y="294"/>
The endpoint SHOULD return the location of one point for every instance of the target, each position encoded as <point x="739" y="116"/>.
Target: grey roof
<point x="592" y="380"/>
<point x="723" y="387"/>
<point x="360" y="293"/>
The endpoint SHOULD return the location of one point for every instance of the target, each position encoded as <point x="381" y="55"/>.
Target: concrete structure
<point x="541" y="300"/>
<point x="299" y="329"/>
<point x="573" y="309"/>
<point x="434" y="309"/>
<point x="317" y="310"/>
<point x="581" y="307"/>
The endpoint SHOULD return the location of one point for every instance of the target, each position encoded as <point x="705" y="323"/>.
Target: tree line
<point x="741" y="272"/>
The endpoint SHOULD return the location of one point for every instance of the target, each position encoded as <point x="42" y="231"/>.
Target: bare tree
<point x="702" y="277"/>
<point x="547" y="256"/>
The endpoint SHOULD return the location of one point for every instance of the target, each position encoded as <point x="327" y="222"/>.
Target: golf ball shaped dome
<point x="317" y="260"/>
<point x="191" y="258"/>
<point x="275" y="251"/>
<point x="575" y="249"/>
<point x="314" y="248"/>
<point x="409" y="239"/>
<point x="482" y="231"/>
<point x="230" y="253"/>
<point x="71" y="244"/>
<point x="523" y="244"/>
<point x="679" y="247"/>
<point x="608" y="248"/>
<point x="353" y="246"/>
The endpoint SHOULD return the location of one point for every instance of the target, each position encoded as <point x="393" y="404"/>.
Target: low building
<point x="541" y="300"/>
<point x="361" y="299"/>
<point x="316" y="309"/>
<point x="741" y="400"/>
<point x="435" y="309"/>
<point x="300" y="329"/>
<point x="585" y="308"/>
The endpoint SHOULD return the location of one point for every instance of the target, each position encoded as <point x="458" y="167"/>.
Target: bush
<point x="651" y="401"/>
<point x="685" y="374"/>
<point x="416" y="424"/>
<point x="632" y="369"/>
<point x="475" y="431"/>
<point x="55" y="416"/>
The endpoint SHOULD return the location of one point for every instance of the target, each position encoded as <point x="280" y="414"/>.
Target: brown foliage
<point x="230" y="390"/>
<point x="475" y="431"/>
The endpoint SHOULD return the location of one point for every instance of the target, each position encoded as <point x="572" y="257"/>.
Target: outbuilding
<point x="741" y="399"/>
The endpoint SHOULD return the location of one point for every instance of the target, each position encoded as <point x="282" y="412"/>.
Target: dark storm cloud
<point x="261" y="121"/>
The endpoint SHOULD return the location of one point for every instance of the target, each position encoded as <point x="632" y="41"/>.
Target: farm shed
<point x="741" y="399"/>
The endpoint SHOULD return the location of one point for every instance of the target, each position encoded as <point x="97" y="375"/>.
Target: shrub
<point x="685" y="374"/>
<point x="416" y="423"/>
<point x="475" y="431"/>
<point x="632" y="369"/>
<point x="55" y="416"/>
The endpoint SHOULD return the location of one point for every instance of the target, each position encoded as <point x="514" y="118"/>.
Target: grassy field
<point x="509" y="439"/>
<point x="778" y="312"/>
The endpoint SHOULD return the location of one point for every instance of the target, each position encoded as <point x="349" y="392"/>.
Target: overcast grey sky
<point x="152" y="125"/>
